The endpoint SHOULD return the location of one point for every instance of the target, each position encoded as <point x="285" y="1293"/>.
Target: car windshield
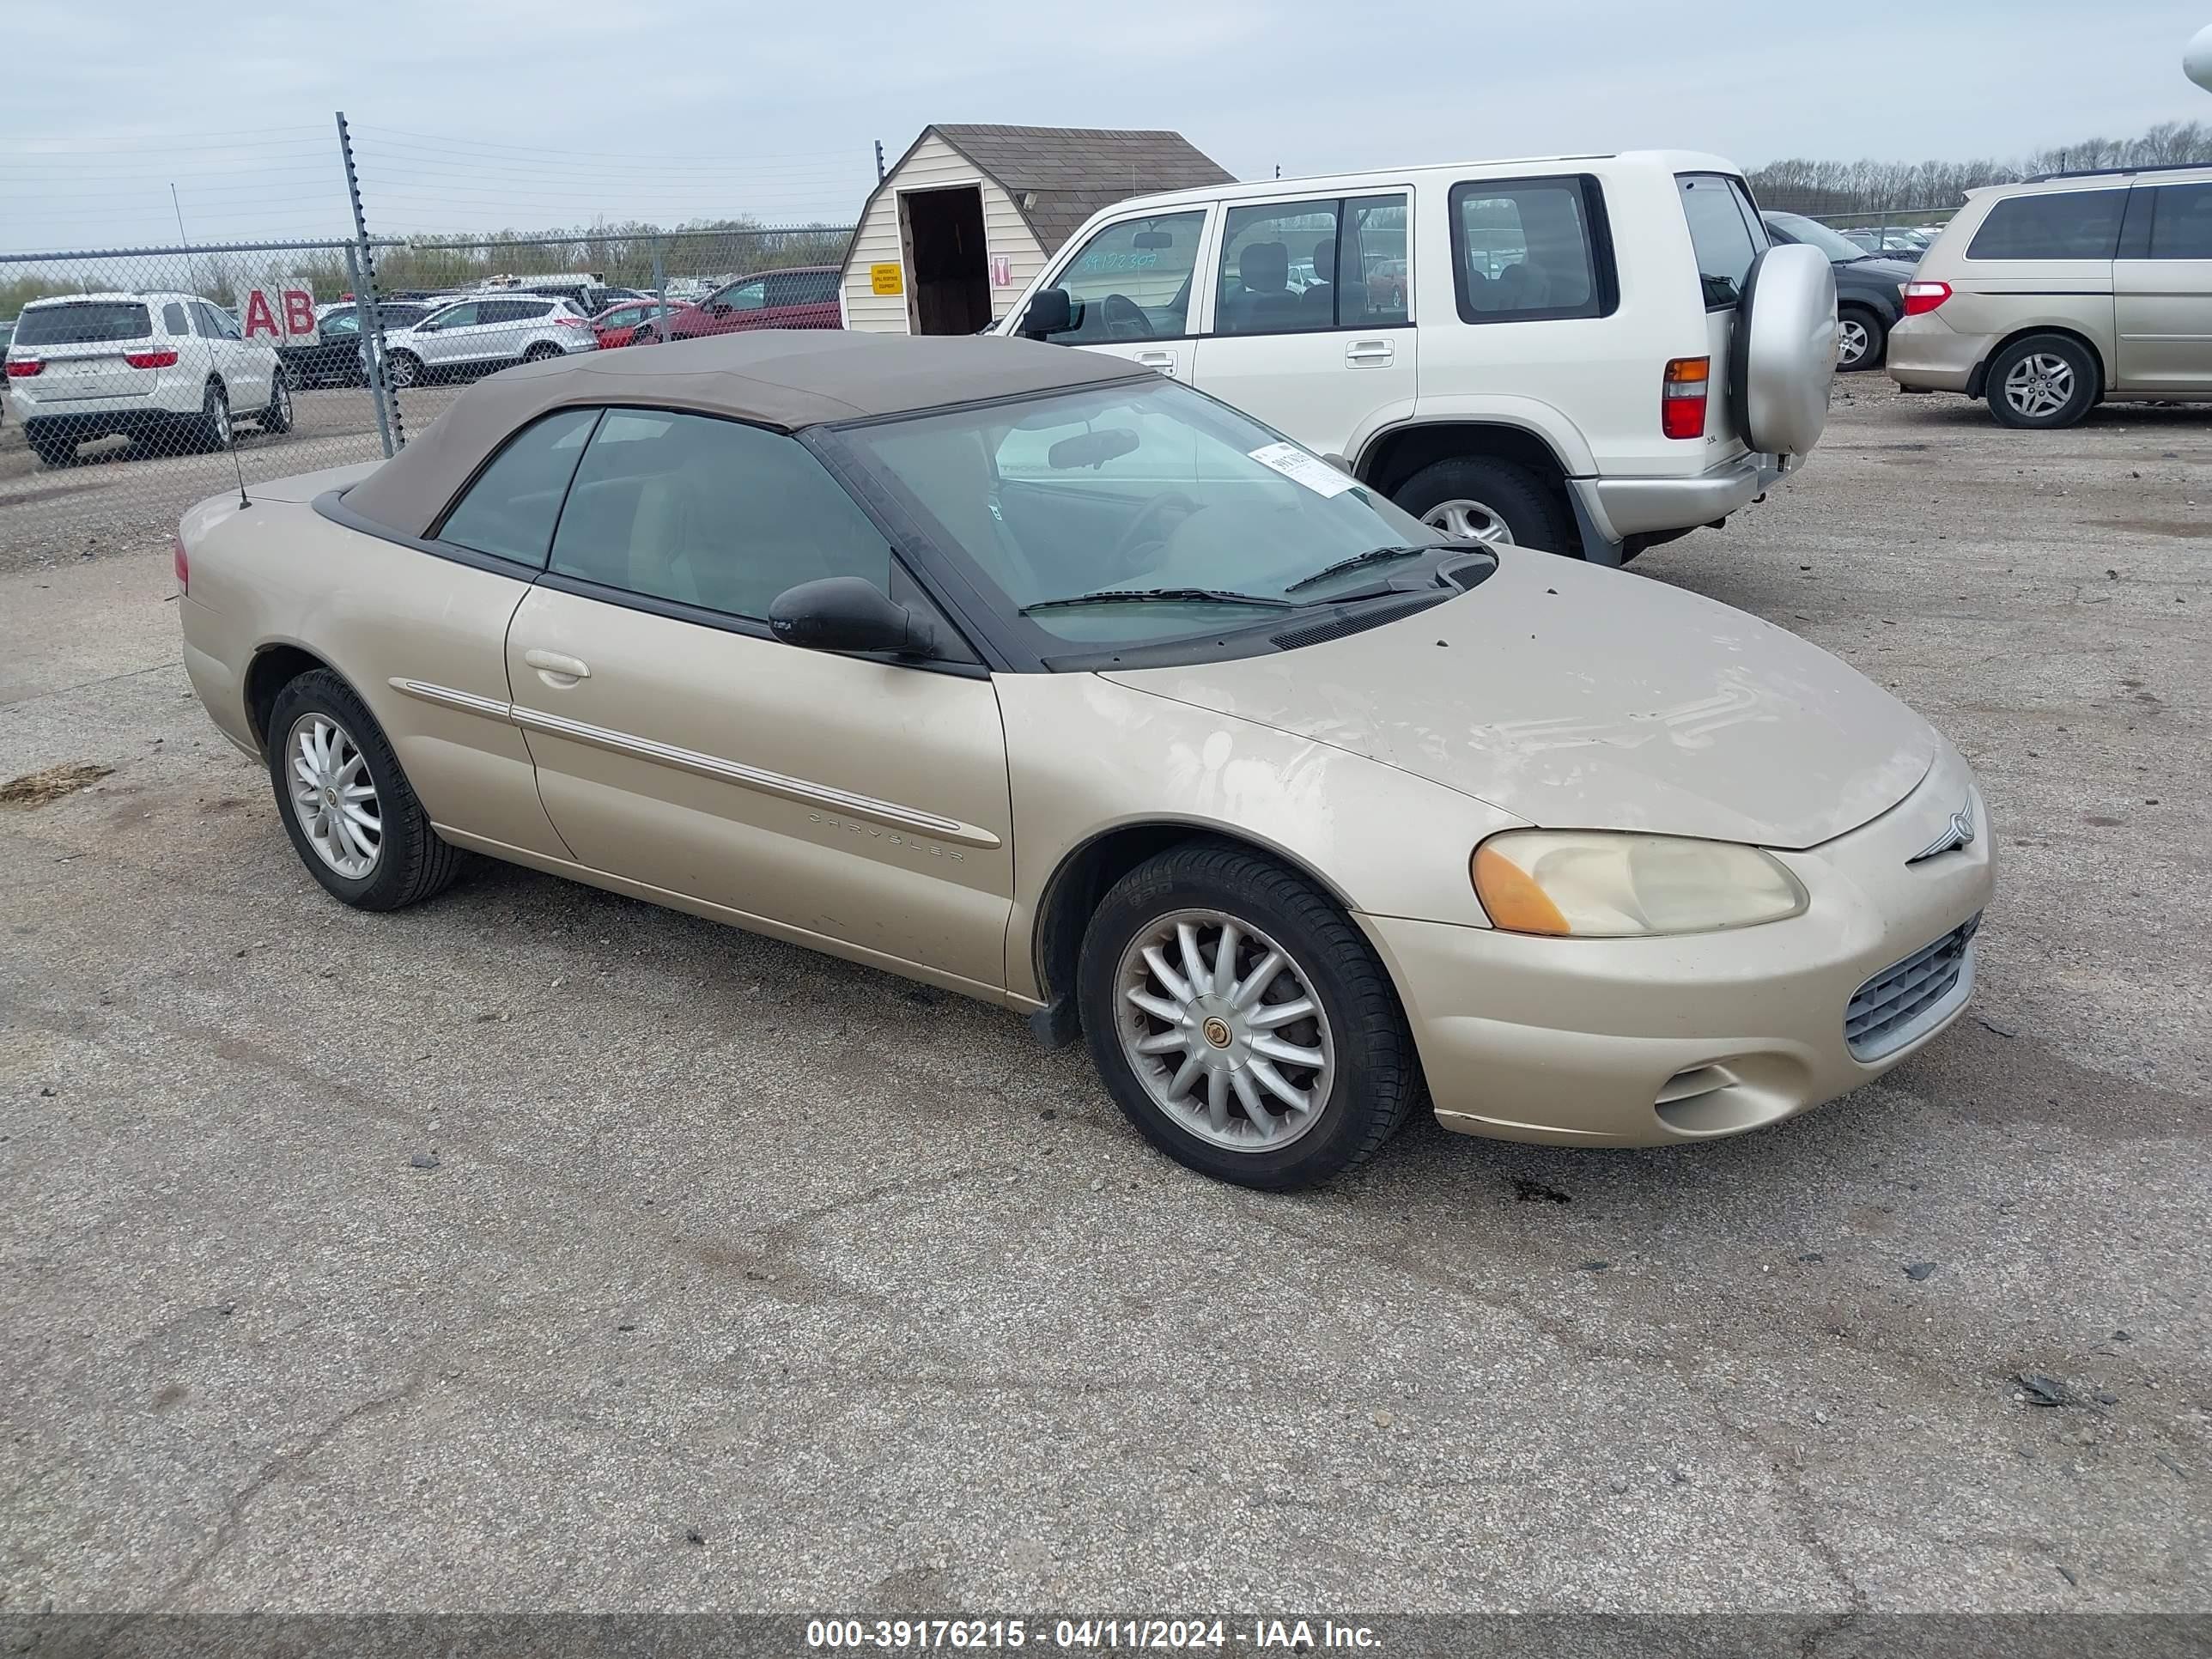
<point x="82" y="322"/>
<point x="1814" y="233"/>
<point x="1163" y="512"/>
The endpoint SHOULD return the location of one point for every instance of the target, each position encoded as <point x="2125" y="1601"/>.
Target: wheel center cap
<point x="1216" y="1030"/>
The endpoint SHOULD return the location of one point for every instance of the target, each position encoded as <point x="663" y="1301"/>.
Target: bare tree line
<point x="1870" y="187"/>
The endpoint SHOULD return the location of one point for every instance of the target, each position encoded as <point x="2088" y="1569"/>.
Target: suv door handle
<point x="1163" y="360"/>
<point x="1369" y="351"/>
<point x="554" y="669"/>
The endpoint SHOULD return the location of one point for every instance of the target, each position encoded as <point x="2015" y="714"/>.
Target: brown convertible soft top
<point x="780" y="378"/>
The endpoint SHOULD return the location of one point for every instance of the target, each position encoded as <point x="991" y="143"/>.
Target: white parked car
<point x="482" y="332"/>
<point x="1591" y="354"/>
<point x="169" y="370"/>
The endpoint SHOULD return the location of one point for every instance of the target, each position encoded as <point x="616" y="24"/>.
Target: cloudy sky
<point x="494" y="113"/>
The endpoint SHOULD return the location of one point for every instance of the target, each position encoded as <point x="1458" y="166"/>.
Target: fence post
<point x="659" y="292"/>
<point x="368" y="376"/>
<point x="388" y="426"/>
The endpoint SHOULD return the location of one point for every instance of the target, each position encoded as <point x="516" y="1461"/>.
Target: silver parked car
<point x="479" y="333"/>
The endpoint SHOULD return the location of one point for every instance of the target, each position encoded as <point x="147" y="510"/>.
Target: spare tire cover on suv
<point x="1784" y="352"/>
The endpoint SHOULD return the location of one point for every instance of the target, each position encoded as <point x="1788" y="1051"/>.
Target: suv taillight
<point x="1921" y="298"/>
<point x="183" y="564"/>
<point x="566" y="321"/>
<point x="21" y="368"/>
<point x="150" y="359"/>
<point x="1682" y="397"/>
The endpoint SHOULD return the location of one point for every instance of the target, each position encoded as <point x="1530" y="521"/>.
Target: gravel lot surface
<point x="747" y="1278"/>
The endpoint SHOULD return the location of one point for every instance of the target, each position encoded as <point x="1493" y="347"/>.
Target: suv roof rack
<point x="2101" y="172"/>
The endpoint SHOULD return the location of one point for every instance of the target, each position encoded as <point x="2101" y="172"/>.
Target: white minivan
<point x="1592" y="354"/>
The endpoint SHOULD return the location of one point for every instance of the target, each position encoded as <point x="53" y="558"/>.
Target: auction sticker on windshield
<point x="1296" y="465"/>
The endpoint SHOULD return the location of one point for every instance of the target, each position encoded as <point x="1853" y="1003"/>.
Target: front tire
<point x="2041" y="383"/>
<point x="348" y="809"/>
<point x="1240" y="1020"/>
<point x="1489" y="502"/>
<point x="404" y="369"/>
<point x="276" y="419"/>
<point x="1860" y="339"/>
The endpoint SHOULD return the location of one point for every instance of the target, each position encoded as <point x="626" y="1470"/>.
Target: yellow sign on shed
<point x="886" y="279"/>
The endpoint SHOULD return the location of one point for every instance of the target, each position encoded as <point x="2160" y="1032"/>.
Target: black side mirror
<point x="1050" y="312"/>
<point x="844" y="613"/>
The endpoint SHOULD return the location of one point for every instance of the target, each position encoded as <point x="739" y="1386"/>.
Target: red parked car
<point x="618" y="323"/>
<point x="804" y="297"/>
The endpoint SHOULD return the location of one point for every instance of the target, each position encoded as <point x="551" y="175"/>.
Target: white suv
<point x="1591" y="354"/>
<point x="167" y="369"/>
<point x="480" y="332"/>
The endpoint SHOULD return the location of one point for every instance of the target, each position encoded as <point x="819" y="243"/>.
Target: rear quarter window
<point x="1532" y="250"/>
<point x="85" y="322"/>
<point x="2061" y="224"/>
<point x="1726" y="232"/>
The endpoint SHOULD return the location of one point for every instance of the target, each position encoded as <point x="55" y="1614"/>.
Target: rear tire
<point x="1360" y="1076"/>
<point x="402" y="861"/>
<point x="2042" y="383"/>
<point x="1860" y="339"/>
<point x="540" y="352"/>
<point x="213" y="428"/>
<point x="1491" y="502"/>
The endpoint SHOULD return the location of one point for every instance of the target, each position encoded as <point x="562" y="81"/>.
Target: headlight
<point x="1591" y="884"/>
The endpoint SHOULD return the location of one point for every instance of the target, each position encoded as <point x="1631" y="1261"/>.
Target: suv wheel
<point x="350" y="813"/>
<point x="2045" y="380"/>
<point x="213" y="427"/>
<point x="1859" y="340"/>
<point x="278" y="417"/>
<point x="1477" y="498"/>
<point x="1240" y="1021"/>
<point x="540" y="352"/>
<point x="404" y="369"/>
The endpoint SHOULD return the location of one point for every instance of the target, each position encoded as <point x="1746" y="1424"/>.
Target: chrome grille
<point x="1907" y="997"/>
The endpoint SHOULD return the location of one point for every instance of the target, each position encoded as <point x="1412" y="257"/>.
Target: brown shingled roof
<point x="1059" y="176"/>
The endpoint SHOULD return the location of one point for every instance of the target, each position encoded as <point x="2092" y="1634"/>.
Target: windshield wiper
<point x="1372" y="555"/>
<point x="1173" y="595"/>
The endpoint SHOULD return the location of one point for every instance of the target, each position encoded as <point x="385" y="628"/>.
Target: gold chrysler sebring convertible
<point x="1045" y="679"/>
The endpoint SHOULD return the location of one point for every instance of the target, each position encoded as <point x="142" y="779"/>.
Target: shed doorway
<point x="943" y="230"/>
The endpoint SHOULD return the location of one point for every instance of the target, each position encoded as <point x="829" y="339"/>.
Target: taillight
<point x="1682" y="397"/>
<point x="573" y="322"/>
<point x="21" y="368"/>
<point x="150" y="359"/>
<point x="183" y="564"/>
<point x="1920" y="298"/>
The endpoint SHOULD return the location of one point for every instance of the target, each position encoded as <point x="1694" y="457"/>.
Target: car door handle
<point x="1163" y="360"/>
<point x="554" y="669"/>
<point x="1369" y="351"/>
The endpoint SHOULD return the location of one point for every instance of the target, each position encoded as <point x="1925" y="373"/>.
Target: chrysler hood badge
<point x="1957" y="834"/>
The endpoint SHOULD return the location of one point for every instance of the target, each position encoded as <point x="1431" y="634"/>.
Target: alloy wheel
<point x="2039" y="385"/>
<point x="1469" y="521"/>
<point x="333" y="796"/>
<point x="1852" y="339"/>
<point x="1221" y="1026"/>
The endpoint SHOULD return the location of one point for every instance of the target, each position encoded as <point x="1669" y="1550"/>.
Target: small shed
<point x="956" y="231"/>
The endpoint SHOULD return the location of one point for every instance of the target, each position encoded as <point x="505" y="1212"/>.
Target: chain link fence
<point x="139" y="381"/>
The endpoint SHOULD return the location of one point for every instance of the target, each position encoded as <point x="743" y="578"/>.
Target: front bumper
<point x="1648" y="1042"/>
<point x="1926" y="354"/>
<point x="1621" y="507"/>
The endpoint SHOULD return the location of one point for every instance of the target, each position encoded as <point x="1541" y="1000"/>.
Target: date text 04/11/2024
<point x="1134" y="1635"/>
